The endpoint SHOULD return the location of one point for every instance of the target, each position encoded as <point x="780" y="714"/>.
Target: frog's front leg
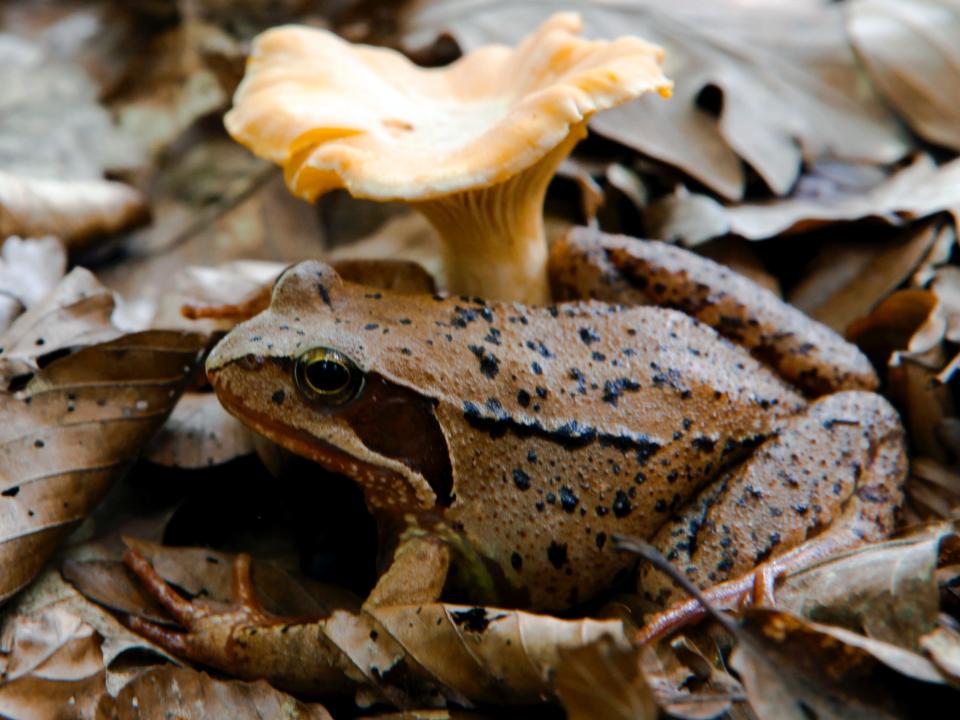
<point x="829" y="480"/>
<point x="620" y="269"/>
<point x="242" y="639"/>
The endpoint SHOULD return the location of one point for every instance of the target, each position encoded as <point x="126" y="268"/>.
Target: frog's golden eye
<point x="328" y="376"/>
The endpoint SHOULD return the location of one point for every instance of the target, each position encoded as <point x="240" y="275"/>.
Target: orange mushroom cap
<point x="337" y="115"/>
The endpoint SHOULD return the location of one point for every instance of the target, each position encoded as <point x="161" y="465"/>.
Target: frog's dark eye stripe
<point x="327" y="376"/>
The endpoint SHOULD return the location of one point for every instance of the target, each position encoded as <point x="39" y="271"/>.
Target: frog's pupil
<point x="327" y="376"/>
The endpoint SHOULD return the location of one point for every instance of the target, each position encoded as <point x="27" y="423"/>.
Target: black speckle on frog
<point x="557" y="554"/>
<point x="489" y="363"/>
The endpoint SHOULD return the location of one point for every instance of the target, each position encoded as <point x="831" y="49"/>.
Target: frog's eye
<point x="328" y="376"/>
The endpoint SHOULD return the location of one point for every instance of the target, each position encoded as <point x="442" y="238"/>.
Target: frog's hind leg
<point x="620" y="269"/>
<point x="829" y="480"/>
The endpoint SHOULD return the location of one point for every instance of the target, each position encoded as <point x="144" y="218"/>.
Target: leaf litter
<point x="782" y="155"/>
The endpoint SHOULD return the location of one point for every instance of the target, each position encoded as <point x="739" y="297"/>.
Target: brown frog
<point x="518" y="440"/>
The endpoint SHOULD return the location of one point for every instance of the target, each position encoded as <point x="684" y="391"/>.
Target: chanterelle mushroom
<point x="472" y="145"/>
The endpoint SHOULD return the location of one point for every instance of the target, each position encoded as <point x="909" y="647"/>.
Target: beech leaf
<point x="910" y="51"/>
<point x="187" y="694"/>
<point x="75" y="428"/>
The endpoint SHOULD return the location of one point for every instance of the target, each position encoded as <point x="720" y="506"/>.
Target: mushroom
<point x="472" y="145"/>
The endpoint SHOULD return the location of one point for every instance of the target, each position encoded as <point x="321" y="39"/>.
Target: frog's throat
<point x="383" y="488"/>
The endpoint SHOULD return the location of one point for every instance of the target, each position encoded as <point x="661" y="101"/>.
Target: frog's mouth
<point x="383" y="486"/>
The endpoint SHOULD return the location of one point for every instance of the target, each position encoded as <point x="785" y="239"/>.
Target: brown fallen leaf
<point x="942" y="645"/>
<point x="910" y="52"/>
<point x="53" y="161"/>
<point x="917" y="191"/>
<point x="488" y="654"/>
<point x="29" y="270"/>
<point x="886" y="590"/>
<point x="78" y="312"/>
<point x="74" y="210"/>
<point x="686" y="684"/>
<point x="75" y="427"/>
<point x="847" y="280"/>
<point x="54" y="667"/>
<point x="199" y="433"/>
<point x="603" y="680"/>
<point x="187" y="694"/>
<point x="783" y="75"/>
<point x="794" y="670"/>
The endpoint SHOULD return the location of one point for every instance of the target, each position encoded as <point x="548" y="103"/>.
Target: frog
<point x="502" y="447"/>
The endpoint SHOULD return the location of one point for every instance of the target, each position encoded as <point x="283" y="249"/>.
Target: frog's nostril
<point x="251" y="361"/>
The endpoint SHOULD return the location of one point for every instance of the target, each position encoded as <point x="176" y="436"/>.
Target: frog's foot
<point x="416" y="574"/>
<point x="242" y="639"/>
<point x="830" y="480"/>
<point x="616" y="268"/>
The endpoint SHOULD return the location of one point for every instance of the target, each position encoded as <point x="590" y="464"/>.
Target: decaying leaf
<point x="54" y="667"/>
<point x="52" y="159"/>
<point x="76" y="427"/>
<point x="784" y="77"/>
<point x="187" y="694"/>
<point x="921" y="189"/>
<point x="488" y="654"/>
<point x="78" y="312"/>
<point x="74" y="210"/>
<point x="199" y="433"/>
<point x="886" y="590"/>
<point x="909" y="49"/>
<point x="603" y="680"/>
<point x="29" y="270"/>
<point x="943" y="647"/>
<point x="793" y="670"/>
<point x="847" y="280"/>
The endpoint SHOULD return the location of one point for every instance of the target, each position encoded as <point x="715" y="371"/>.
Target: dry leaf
<point x="909" y="48"/>
<point x="53" y="160"/>
<point x="886" y="590"/>
<point x="794" y="670"/>
<point x="603" y="680"/>
<point x="785" y="78"/>
<point x="187" y="694"/>
<point x="199" y="433"/>
<point x="404" y="237"/>
<point x="487" y="654"/>
<point x="74" y="210"/>
<point x="78" y="312"/>
<point x="78" y="425"/>
<point x="919" y="190"/>
<point x="54" y="667"/>
<point x="29" y="270"/>
<point x="848" y="280"/>
<point x="943" y="647"/>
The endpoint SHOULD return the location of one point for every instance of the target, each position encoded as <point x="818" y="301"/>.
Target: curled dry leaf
<point x="74" y="210"/>
<point x="54" y="669"/>
<point x="78" y="425"/>
<point x="77" y="313"/>
<point x="53" y="159"/>
<point x="199" y="433"/>
<point x="29" y="270"/>
<point x="603" y="680"/>
<point x="794" y="670"/>
<point x="848" y="280"/>
<point x="910" y="51"/>
<point x="187" y="694"/>
<point x="783" y="74"/>
<point x="919" y="190"/>
<point x="943" y="647"/>
<point x="484" y="654"/>
<point x="886" y="590"/>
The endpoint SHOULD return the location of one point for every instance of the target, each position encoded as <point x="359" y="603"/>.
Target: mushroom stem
<point x="494" y="244"/>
